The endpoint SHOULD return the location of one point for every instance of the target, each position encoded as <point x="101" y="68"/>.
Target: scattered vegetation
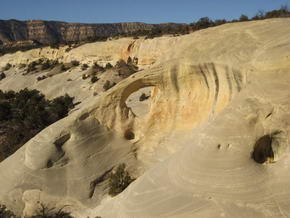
<point x="5" y="213"/>
<point x="25" y="113"/>
<point x="75" y="63"/>
<point x="97" y="68"/>
<point x="122" y="68"/>
<point x="43" y="212"/>
<point x="41" y="78"/>
<point x="119" y="180"/>
<point x="11" y="48"/>
<point x="206" y="22"/>
<point x="31" y="67"/>
<point x="64" y="67"/>
<point x="85" y="66"/>
<point x="47" y="64"/>
<point x="46" y="212"/>
<point x="41" y="64"/>
<point x="126" y="69"/>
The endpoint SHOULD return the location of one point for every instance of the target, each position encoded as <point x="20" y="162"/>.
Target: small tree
<point x="94" y="79"/>
<point x="244" y="18"/>
<point x="108" y="66"/>
<point x="259" y="15"/>
<point x="203" y="23"/>
<point x="5" y="213"/>
<point x="219" y="22"/>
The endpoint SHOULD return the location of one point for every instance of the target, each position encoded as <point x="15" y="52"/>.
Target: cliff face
<point x="48" y="32"/>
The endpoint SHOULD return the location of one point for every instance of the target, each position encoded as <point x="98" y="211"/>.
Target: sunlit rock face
<point x="49" y="32"/>
<point x="212" y="141"/>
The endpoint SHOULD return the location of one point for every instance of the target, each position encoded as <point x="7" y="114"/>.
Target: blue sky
<point x="149" y="11"/>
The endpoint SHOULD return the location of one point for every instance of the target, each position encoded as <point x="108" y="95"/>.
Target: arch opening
<point x="140" y="101"/>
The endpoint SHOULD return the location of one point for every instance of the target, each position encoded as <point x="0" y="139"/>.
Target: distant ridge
<point x="50" y="32"/>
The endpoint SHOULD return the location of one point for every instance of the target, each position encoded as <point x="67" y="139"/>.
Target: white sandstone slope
<point x="214" y="93"/>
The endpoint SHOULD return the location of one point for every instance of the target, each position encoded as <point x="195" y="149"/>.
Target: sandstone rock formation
<point x="48" y="32"/>
<point x="214" y="94"/>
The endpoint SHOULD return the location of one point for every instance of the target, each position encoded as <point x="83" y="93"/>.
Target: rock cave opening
<point x="129" y="134"/>
<point x="263" y="151"/>
<point x="270" y="147"/>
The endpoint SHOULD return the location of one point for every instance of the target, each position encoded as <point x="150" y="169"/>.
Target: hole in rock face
<point x="61" y="140"/>
<point x="129" y="135"/>
<point x="263" y="151"/>
<point x="49" y="164"/>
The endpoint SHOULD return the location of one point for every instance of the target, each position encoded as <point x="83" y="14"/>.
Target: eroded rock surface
<point x="214" y="94"/>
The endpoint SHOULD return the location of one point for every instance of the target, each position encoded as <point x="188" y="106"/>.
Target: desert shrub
<point x="54" y="63"/>
<point x="7" y="67"/>
<point x="126" y="69"/>
<point x="203" y="23"/>
<point x="94" y="79"/>
<point x="46" y="212"/>
<point x="32" y="66"/>
<point x="2" y="76"/>
<point x="143" y="97"/>
<point x="41" y="64"/>
<point x="119" y="180"/>
<point x="98" y="68"/>
<point x="219" y="22"/>
<point x="85" y="66"/>
<point x="75" y="63"/>
<point x="108" y="84"/>
<point x="120" y="63"/>
<point x="25" y="113"/>
<point x="61" y="105"/>
<point x="109" y="66"/>
<point x="63" y="68"/>
<point x="41" y="78"/>
<point x="259" y="15"/>
<point x="46" y="65"/>
<point x="5" y="213"/>
<point x="85" y="76"/>
<point x="244" y="18"/>
<point x="68" y="49"/>
<point x="282" y="12"/>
